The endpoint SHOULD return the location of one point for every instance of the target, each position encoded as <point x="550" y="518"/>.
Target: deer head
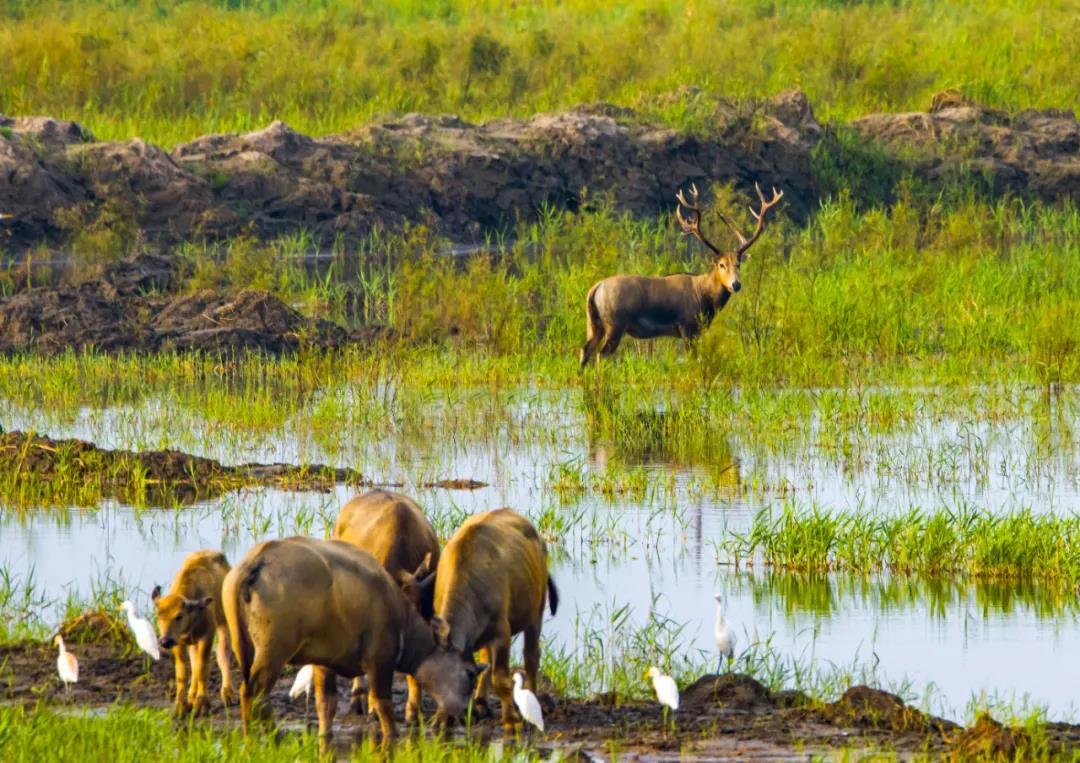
<point x="725" y="264"/>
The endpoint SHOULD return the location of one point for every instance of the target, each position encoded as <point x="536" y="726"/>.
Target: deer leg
<point x="611" y="341"/>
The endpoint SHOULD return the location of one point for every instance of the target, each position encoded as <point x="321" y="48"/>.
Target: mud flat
<point x="466" y="179"/>
<point x="721" y="716"/>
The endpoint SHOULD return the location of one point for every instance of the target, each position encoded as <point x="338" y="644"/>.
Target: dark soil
<point x="721" y="717"/>
<point x="126" y="306"/>
<point x="468" y="180"/>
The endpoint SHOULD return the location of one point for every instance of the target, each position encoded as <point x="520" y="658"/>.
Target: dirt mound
<point x="865" y="707"/>
<point x="989" y="740"/>
<point x="77" y="472"/>
<point x="466" y="179"/>
<point x="121" y="306"/>
<point x="729" y="691"/>
<point x="97" y="627"/>
<point x="1032" y="152"/>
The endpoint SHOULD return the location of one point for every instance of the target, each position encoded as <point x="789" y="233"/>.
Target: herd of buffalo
<point x="380" y="597"/>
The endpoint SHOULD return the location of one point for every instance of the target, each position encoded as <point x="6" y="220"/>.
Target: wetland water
<point x="640" y="527"/>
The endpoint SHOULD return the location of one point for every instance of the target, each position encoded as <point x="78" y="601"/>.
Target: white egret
<point x="725" y="636"/>
<point x="666" y="692"/>
<point x="66" y="664"/>
<point x="143" y="630"/>
<point x="302" y="685"/>
<point x="527" y="703"/>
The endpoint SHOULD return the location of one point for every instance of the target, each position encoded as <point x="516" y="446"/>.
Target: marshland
<point x="870" y="451"/>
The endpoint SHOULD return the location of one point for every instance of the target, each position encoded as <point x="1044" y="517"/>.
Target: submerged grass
<point x="168" y="72"/>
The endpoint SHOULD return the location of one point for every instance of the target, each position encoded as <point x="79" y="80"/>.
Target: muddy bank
<point x="721" y="716"/>
<point x="79" y="472"/>
<point x="127" y="306"/>
<point x="467" y="180"/>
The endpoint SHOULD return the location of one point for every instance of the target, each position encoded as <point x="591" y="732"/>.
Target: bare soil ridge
<point x="466" y="180"/>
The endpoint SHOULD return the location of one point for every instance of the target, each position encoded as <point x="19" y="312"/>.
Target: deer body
<point x="678" y="305"/>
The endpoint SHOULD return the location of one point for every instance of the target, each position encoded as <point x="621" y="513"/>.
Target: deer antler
<point x="692" y="227"/>
<point x="746" y="243"/>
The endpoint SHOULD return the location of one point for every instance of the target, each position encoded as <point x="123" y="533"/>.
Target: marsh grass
<point x="1020" y="545"/>
<point x="170" y="72"/>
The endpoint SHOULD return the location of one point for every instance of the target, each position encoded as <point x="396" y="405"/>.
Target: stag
<point x="678" y="305"/>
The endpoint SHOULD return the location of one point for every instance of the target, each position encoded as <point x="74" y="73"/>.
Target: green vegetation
<point x="168" y="72"/>
<point x="965" y="542"/>
<point x="125" y="733"/>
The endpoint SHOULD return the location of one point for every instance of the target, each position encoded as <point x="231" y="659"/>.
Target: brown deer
<point x="678" y="305"/>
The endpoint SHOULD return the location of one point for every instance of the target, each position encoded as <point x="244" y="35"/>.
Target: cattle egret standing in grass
<point x="143" y="630"/>
<point x="527" y="703"/>
<point x="66" y="664"/>
<point x="725" y="636"/>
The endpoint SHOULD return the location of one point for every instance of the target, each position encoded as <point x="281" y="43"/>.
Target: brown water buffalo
<point x="491" y="583"/>
<point x="303" y="601"/>
<point x="188" y="618"/>
<point x="393" y="529"/>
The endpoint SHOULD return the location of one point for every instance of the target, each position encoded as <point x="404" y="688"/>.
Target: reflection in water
<point x="826" y="595"/>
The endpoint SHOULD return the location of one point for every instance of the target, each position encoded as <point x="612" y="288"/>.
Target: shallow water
<point x="653" y="547"/>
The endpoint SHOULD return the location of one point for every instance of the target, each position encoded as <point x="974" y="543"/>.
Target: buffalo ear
<point x="441" y="629"/>
<point x="156" y="593"/>
<point x="205" y="602"/>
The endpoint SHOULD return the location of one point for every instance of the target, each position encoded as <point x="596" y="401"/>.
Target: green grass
<point x="941" y="543"/>
<point x="125" y="733"/>
<point x="168" y="72"/>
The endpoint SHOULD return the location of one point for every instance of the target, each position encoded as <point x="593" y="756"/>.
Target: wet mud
<point x="721" y="717"/>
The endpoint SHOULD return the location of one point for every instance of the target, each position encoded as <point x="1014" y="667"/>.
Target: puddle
<point x="650" y="545"/>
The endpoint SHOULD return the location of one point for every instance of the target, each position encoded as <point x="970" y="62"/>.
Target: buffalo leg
<point x="180" y="662"/>
<point x="325" y="682"/>
<point x="532" y="655"/>
<point x="200" y="670"/>
<point x="483" y="683"/>
<point x="380" y="684"/>
<point x="222" y="654"/>
<point x="262" y="675"/>
<point x="193" y="678"/>
<point x="412" y="706"/>
<point x="500" y="678"/>
<point x="356" y="697"/>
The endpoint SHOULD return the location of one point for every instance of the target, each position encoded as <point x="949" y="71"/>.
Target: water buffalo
<point x="303" y="601"/>
<point x="491" y="583"/>
<point x="188" y="618"/>
<point x="393" y="529"/>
